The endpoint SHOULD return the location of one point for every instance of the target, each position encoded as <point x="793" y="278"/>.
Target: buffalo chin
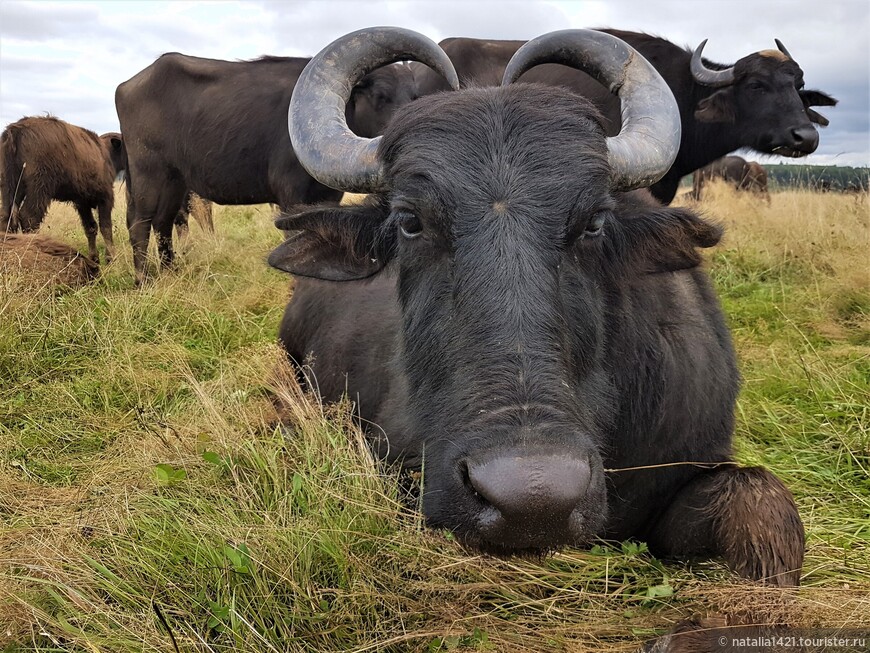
<point x="516" y="541"/>
<point x="532" y="552"/>
<point x="789" y="152"/>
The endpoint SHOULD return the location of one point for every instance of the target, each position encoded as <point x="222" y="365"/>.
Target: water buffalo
<point x="737" y="171"/>
<point x="539" y="340"/>
<point x="759" y="102"/>
<point x="47" y="159"/>
<point x="755" y="179"/>
<point x="217" y="128"/>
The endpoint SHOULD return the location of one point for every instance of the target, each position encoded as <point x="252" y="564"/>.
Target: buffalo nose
<point x="532" y="499"/>
<point x="806" y="139"/>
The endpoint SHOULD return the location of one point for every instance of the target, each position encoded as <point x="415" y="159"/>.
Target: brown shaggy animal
<point x="741" y="174"/>
<point x="45" y="159"/>
<point x="44" y="260"/>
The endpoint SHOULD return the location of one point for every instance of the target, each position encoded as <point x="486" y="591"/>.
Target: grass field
<point x="147" y="501"/>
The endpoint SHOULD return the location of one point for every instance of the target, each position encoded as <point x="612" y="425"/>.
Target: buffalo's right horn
<point x="647" y="145"/>
<point x="783" y="49"/>
<point x="322" y="141"/>
<point x="706" y="76"/>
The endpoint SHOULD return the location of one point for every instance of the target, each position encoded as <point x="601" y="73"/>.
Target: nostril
<point x="463" y="472"/>
<point x="797" y="136"/>
<point x="467" y="482"/>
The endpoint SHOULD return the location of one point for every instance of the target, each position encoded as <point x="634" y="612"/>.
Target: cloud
<point x="68" y="57"/>
<point x="14" y="64"/>
<point x="42" y="21"/>
<point x="315" y="23"/>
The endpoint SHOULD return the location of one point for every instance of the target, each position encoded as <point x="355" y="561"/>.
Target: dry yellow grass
<point x="825" y="236"/>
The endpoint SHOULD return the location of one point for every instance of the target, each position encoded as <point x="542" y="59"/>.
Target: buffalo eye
<point x="755" y="86"/>
<point x="595" y="227"/>
<point x="410" y="225"/>
<point x="585" y="228"/>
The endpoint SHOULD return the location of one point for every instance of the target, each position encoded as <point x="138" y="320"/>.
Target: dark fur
<point x="63" y="162"/>
<point x="714" y="121"/>
<point x="219" y="128"/>
<point x="740" y="173"/>
<point x="505" y="330"/>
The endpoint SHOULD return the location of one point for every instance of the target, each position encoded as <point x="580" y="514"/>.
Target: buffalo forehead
<point x="761" y="65"/>
<point x="525" y="141"/>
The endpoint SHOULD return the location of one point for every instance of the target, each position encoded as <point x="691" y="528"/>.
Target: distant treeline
<point x="837" y="178"/>
<point x="818" y="177"/>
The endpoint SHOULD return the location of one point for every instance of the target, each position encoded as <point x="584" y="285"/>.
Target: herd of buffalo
<point x="515" y="305"/>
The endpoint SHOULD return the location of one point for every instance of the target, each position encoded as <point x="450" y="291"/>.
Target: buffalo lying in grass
<point x="37" y="260"/>
<point x="537" y="339"/>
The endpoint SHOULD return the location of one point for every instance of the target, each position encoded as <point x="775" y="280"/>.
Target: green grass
<point x="147" y="499"/>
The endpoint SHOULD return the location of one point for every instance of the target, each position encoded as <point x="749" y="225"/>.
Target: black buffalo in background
<point x="542" y="342"/>
<point x="759" y="102"/>
<point x="219" y="129"/>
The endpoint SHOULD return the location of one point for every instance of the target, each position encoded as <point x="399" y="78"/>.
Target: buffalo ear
<point x="817" y="118"/>
<point x="680" y="235"/>
<point x="718" y="107"/>
<point x="817" y="99"/>
<point x="117" y="143"/>
<point x="662" y="239"/>
<point x="334" y="243"/>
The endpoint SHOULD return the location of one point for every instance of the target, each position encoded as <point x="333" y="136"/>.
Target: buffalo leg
<point x="13" y="196"/>
<point x="11" y="222"/>
<point x="164" y="244"/>
<point x="9" y="218"/>
<point x="744" y="514"/>
<point x="171" y="202"/>
<point x="181" y="220"/>
<point x="104" y="211"/>
<point x="140" y="232"/>
<point x="148" y="210"/>
<point x="31" y="212"/>
<point x="182" y="230"/>
<point x="90" y="227"/>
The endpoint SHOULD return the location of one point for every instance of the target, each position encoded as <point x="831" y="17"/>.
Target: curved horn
<point x="707" y="77"/>
<point x="783" y="49"/>
<point x="647" y="145"/>
<point x="322" y="141"/>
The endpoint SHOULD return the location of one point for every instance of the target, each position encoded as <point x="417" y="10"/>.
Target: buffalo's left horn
<point x="322" y="141"/>
<point x="649" y="140"/>
<point x="783" y="49"/>
<point x="706" y="76"/>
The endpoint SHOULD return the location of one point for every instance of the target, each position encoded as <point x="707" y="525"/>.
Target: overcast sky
<point x="66" y="58"/>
